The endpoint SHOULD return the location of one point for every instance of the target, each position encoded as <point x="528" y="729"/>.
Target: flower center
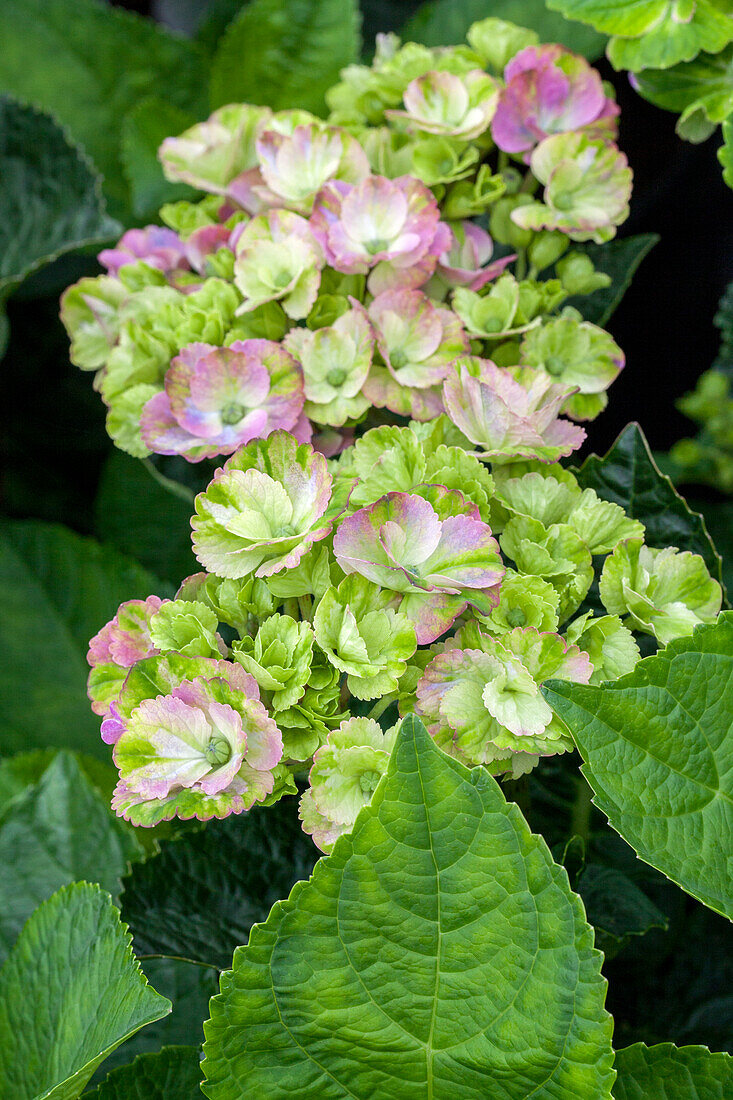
<point x="336" y="376"/>
<point x="398" y="358"/>
<point x="232" y="413"/>
<point x="368" y="781"/>
<point x="516" y="617"/>
<point x="281" y="279"/>
<point x="554" y="365"/>
<point x="563" y="201"/>
<point x="377" y="245"/>
<point x="218" y="751"/>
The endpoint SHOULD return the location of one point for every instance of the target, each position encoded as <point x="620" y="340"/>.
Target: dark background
<point x="52" y="423"/>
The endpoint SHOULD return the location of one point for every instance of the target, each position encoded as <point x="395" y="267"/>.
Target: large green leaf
<point x="628" y="476"/>
<point x="135" y="513"/>
<point x="57" y="832"/>
<point x="56" y="590"/>
<point x="445" y="22"/>
<point x="24" y="770"/>
<point x="412" y="960"/>
<point x="173" y="1073"/>
<point x="40" y="220"/>
<point x="88" y="63"/>
<point x="70" y="992"/>
<point x="619" y="259"/>
<point x="667" y="1072"/>
<point x="143" y="129"/>
<point x="285" y="53"/>
<point x="199" y="898"/>
<point x="657" y="747"/>
<point x="616" y="907"/>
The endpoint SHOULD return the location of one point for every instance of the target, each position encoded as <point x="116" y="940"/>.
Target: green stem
<point x="582" y="807"/>
<point x="305" y="603"/>
<point x="520" y="267"/>
<point x="381" y="705"/>
<point x="171" y="486"/>
<point x="290" y="607"/>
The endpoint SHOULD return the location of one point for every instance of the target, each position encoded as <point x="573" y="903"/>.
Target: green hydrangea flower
<point x="91" y="312"/>
<point x="496" y="42"/>
<point x="241" y="604"/>
<point x="361" y="634"/>
<point x="555" y="553"/>
<point x="523" y="601"/>
<point x="188" y="627"/>
<point x="312" y="576"/>
<point x="481" y="700"/>
<point x="665" y="593"/>
<point x="609" y="644"/>
<point x="264" y="510"/>
<point x="306" y="724"/>
<point x="346" y="771"/>
<point x="279" y="657"/>
<point x="575" y="353"/>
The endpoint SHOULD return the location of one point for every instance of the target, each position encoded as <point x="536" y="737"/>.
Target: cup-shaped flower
<point x="207" y="749"/>
<point x="416" y="339"/>
<point x="579" y="354"/>
<point x="450" y="105"/>
<point x="587" y="188"/>
<point x="523" y="601"/>
<point x="264" y="510"/>
<point x="361" y="634"/>
<point x="212" y="155"/>
<point x="390" y="228"/>
<point x="335" y="362"/>
<point x="278" y="259"/>
<point x="610" y="645"/>
<point x="556" y="553"/>
<point x="343" y="778"/>
<point x="481" y="700"/>
<point x="187" y="627"/>
<point x="665" y="593"/>
<point x="507" y="418"/>
<point x="548" y="90"/>
<point x="306" y="724"/>
<point x="438" y="554"/>
<point x="217" y="399"/>
<point x="156" y="246"/>
<point x="466" y="261"/>
<point x="279" y="657"/>
<point x="91" y="313"/>
<point x="295" y="166"/>
<point x="120" y="643"/>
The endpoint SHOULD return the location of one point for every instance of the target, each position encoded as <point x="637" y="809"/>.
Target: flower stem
<point x="582" y="806"/>
<point x="381" y="705"/>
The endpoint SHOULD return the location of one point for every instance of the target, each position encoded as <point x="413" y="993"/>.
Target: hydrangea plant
<point x="394" y="385"/>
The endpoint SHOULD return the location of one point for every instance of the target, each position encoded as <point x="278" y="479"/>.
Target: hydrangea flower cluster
<point x="412" y="255"/>
<point x="337" y="267"/>
<point x="419" y="571"/>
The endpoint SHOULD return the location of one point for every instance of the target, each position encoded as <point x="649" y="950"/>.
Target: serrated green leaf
<point x="172" y="1073"/>
<point x="445" y="22"/>
<point x="410" y="962"/>
<point x="628" y="476"/>
<point x="657" y="747"/>
<point x="40" y="221"/>
<point x="140" y="517"/>
<point x="616" y="907"/>
<point x="143" y="129"/>
<point x="201" y="895"/>
<point x="189" y="987"/>
<point x="70" y="992"/>
<point x="57" y="832"/>
<point x="285" y="53"/>
<point x="21" y="771"/>
<point x="667" y="1072"/>
<point x="56" y="590"/>
<point x="705" y="84"/>
<point x="88" y="63"/>
<point x="619" y="259"/>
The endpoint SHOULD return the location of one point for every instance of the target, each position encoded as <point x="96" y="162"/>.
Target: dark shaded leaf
<point x="619" y="259"/>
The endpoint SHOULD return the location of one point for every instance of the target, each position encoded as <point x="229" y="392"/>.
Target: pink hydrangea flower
<point x="549" y="91"/>
<point x="437" y="553"/>
<point x="449" y="105"/>
<point x="217" y="399"/>
<point x="295" y="166"/>
<point x="508" y="412"/>
<point x="466" y="261"/>
<point x="417" y="341"/>
<point x="120" y="643"/>
<point x="206" y="749"/>
<point x="390" y="228"/>
<point x="157" y="246"/>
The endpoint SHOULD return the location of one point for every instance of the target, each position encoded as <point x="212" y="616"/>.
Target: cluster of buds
<point x="336" y="267"/>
